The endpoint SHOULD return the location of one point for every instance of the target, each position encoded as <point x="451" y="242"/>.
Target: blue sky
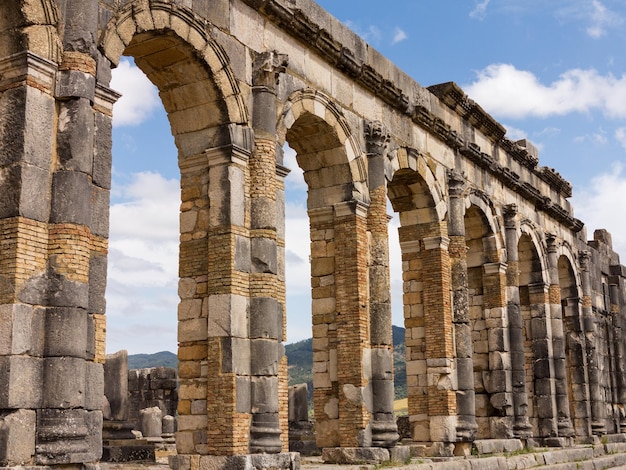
<point x="550" y="71"/>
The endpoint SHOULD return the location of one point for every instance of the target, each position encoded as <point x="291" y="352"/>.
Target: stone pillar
<point x="578" y="373"/>
<point x="384" y="428"/>
<point x="466" y="404"/>
<point x="498" y="381"/>
<point x="26" y="149"/>
<point x="267" y="291"/>
<point x="353" y="333"/>
<point x="598" y="414"/>
<point x="77" y="244"/>
<point x="442" y="408"/>
<point x="564" y="422"/>
<point x="521" y="428"/>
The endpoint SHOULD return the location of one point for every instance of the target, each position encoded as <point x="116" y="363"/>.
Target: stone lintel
<point x="495" y="268"/>
<point x="358" y="208"/>
<point x="227" y="154"/>
<point x="320" y="215"/>
<point x="432" y="243"/>
<point x="410" y="246"/>
<point x="105" y="98"/>
<point x="26" y="66"/>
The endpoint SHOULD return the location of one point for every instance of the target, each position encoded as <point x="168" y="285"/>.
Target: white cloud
<point x="139" y="96"/>
<point x="620" y="136"/>
<point x="514" y="133"/>
<point x="599" y="204"/>
<point x="601" y="18"/>
<point x="480" y="10"/>
<point x="399" y="36"/>
<point x="505" y="91"/>
<point x="295" y="179"/>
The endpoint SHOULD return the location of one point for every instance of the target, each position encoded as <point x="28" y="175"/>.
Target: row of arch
<point x="493" y="307"/>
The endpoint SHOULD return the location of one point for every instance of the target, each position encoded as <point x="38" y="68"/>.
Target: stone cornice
<point x="319" y="39"/>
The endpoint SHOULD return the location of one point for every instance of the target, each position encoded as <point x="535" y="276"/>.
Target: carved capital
<point x="377" y="138"/>
<point x="457" y="184"/>
<point x="584" y="257"/>
<point x="510" y="215"/>
<point x="551" y="242"/>
<point x="267" y="68"/>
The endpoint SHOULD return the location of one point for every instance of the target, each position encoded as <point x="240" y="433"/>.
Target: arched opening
<point x="423" y="262"/>
<point x="322" y="157"/>
<point x="576" y="369"/>
<point x="477" y="231"/>
<point x="537" y="344"/>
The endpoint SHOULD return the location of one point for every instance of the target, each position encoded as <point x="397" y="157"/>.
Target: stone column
<point x="498" y="380"/>
<point x="521" y="428"/>
<point x="598" y="414"/>
<point x="26" y="149"/>
<point x="267" y="291"/>
<point x="70" y="420"/>
<point x="466" y="404"/>
<point x="384" y="428"/>
<point x="564" y="421"/>
<point x="577" y="367"/>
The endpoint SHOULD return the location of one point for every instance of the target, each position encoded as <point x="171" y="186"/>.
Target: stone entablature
<point x="513" y="319"/>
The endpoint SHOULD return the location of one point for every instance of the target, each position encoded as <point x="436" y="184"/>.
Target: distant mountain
<point x="300" y="360"/>
<point x="160" y="359"/>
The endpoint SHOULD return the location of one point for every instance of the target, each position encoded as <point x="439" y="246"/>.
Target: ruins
<point x="514" y="319"/>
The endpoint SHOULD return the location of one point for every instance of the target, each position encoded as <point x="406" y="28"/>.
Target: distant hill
<point x="300" y="360"/>
<point x="160" y="359"/>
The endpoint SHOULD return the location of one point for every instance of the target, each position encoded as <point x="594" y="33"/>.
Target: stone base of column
<point x="284" y="461"/>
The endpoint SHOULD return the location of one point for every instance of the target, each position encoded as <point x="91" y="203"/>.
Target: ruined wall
<point x="513" y="320"/>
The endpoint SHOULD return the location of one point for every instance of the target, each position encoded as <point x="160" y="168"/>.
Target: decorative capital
<point x="267" y="68"/>
<point x="551" y="242"/>
<point x="377" y="138"/>
<point x="457" y="183"/>
<point x="510" y="213"/>
<point x="584" y="256"/>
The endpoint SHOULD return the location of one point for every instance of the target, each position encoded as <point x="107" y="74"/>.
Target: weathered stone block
<point x="265" y="355"/>
<point x="97" y="284"/>
<point x="17" y="437"/>
<point x="116" y="384"/>
<point x="75" y="84"/>
<point x="264" y="394"/>
<point x="228" y="315"/>
<point x="102" y="156"/>
<point x="100" y="203"/>
<point x="151" y="422"/>
<point x="75" y="136"/>
<point x="94" y="385"/>
<point x="64" y="382"/>
<point x="244" y="395"/>
<point x="22" y="383"/>
<point x="266" y="318"/>
<point x="71" y="193"/>
<point x="236" y="356"/>
<point x="264" y="255"/>
<point x="66" y="332"/>
<point x="22" y="331"/>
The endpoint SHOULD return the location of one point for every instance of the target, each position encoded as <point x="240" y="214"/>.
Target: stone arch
<point x="406" y="160"/>
<point x="32" y="26"/>
<point x="143" y="29"/>
<point x="417" y="194"/>
<point x="327" y="149"/>
<point x="574" y="344"/>
<point x="534" y="305"/>
<point x="335" y="172"/>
